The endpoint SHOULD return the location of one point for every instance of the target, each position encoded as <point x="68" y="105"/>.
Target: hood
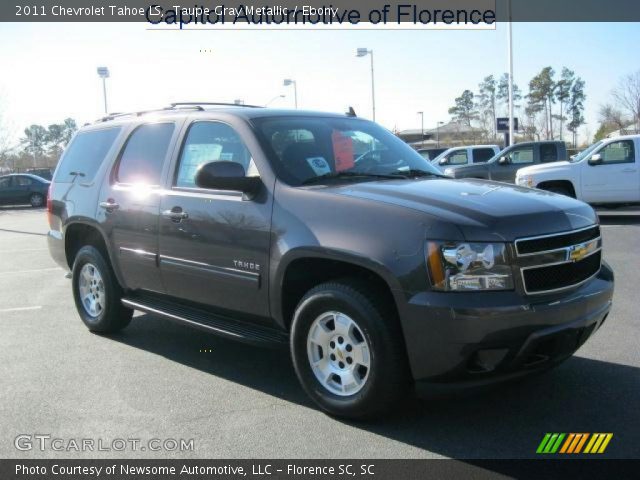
<point x="544" y="167"/>
<point x="470" y="168"/>
<point x="481" y="209"/>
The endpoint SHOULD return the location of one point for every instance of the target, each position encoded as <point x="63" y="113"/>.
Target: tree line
<point x="39" y="146"/>
<point x="552" y="105"/>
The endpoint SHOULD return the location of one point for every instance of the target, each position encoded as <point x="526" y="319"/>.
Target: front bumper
<point x="484" y="337"/>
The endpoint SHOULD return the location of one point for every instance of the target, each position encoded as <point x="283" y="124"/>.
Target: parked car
<point x="458" y="156"/>
<point x="330" y="235"/>
<point x="608" y="172"/>
<point x="430" y="153"/>
<point x="505" y="164"/>
<point x="23" y="189"/>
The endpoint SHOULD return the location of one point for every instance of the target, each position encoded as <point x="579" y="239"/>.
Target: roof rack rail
<point x="112" y="116"/>
<point x="222" y="104"/>
<point x="172" y="107"/>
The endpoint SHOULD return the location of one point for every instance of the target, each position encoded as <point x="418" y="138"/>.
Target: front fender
<point x="320" y="253"/>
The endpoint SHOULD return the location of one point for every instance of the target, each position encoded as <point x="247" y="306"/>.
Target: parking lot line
<point x="30" y="271"/>
<point x="20" y="250"/>
<point x="20" y="309"/>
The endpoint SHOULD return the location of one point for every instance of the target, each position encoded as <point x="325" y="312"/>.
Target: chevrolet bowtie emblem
<point x="578" y="252"/>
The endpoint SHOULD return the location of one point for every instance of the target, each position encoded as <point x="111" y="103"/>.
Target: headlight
<point x="525" y="181"/>
<point x="467" y="266"/>
<point x="448" y="172"/>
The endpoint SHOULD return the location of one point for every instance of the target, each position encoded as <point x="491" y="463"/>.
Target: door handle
<point x="175" y="214"/>
<point x="110" y="204"/>
<point x="629" y="170"/>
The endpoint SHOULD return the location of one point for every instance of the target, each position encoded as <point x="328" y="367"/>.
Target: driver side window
<point x="211" y="142"/>
<point x="618" y="152"/>
<point x="457" y="158"/>
<point x="521" y="155"/>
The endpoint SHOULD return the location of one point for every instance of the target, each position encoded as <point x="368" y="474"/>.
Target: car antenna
<point x="351" y="112"/>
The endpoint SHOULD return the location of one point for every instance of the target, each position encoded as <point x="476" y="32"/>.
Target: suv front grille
<point x="555" y="262"/>
<point x="555" y="277"/>
<point x="542" y="244"/>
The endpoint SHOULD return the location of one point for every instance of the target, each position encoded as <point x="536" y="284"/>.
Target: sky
<point x="48" y="70"/>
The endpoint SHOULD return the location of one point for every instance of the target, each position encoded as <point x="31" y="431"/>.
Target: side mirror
<point x="442" y="161"/>
<point x="595" y="159"/>
<point x="225" y="175"/>
<point x="503" y="160"/>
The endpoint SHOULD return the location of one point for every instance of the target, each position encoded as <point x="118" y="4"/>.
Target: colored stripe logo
<point x="574" y="443"/>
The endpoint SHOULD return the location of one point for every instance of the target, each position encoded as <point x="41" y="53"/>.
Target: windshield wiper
<point x="415" y="173"/>
<point x="338" y="175"/>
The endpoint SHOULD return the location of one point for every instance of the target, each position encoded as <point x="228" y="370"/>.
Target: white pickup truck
<point x="608" y="172"/>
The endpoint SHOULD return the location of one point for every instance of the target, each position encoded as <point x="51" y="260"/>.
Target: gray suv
<point x="327" y="234"/>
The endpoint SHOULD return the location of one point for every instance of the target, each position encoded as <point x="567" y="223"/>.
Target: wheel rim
<point x="36" y="200"/>
<point x="338" y="353"/>
<point x="91" y="287"/>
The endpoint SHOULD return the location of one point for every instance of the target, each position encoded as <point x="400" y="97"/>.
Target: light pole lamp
<point x="438" y="134"/>
<point x="273" y="100"/>
<point x="103" y="73"/>
<point x="286" y="83"/>
<point x="363" y="52"/>
<point x="421" y="128"/>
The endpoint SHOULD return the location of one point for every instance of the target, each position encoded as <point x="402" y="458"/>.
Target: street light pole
<point x="421" y="128"/>
<point x="438" y="133"/>
<point x="104" y="94"/>
<point x="510" y="53"/>
<point x="103" y="72"/>
<point x="361" y="52"/>
<point x="288" y="82"/>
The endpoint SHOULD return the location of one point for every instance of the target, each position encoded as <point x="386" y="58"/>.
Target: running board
<point x="220" y="325"/>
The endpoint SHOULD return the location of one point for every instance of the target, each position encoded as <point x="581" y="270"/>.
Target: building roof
<point x="447" y="128"/>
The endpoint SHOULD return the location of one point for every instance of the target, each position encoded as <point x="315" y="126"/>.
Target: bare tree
<point x="612" y="117"/>
<point x="4" y="132"/>
<point x="627" y="96"/>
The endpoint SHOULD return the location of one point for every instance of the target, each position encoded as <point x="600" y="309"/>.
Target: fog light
<point x="487" y="360"/>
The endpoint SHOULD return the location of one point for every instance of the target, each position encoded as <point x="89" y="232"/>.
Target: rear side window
<point x="548" y="152"/>
<point x="23" y="181"/>
<point x="481" y="155"/>
<point x="144" y="154"/>
<point x="85" y="154"/>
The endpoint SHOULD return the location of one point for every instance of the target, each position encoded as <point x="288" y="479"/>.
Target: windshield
<point x="585" y="153"/>
<point x="303" y="149"/>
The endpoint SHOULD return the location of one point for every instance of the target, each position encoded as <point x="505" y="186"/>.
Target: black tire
<point x="388" y="378"/>
<point x="112" y="316"/>
<point x="560" y="191"/>
<point x="36" y="200"/>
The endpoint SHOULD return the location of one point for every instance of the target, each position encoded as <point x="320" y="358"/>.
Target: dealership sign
<point x="502" y="124"/>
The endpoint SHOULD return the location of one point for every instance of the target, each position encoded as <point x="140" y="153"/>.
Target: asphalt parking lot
<point x="155" y="380"/>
